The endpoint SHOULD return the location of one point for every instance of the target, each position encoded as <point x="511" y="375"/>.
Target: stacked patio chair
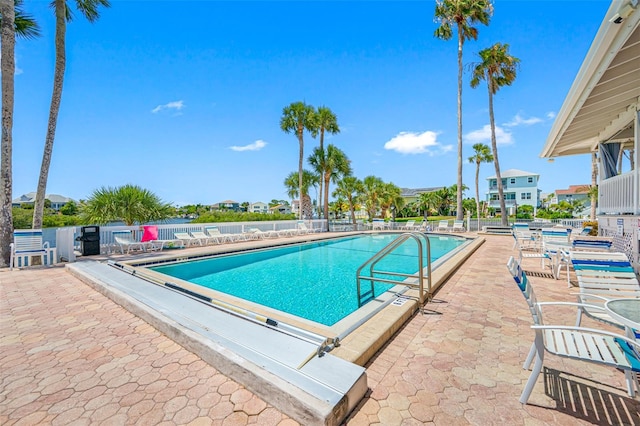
<point x="586" y="344"/>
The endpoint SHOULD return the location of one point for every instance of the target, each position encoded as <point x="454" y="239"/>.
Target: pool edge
<point x="364" y="342"/>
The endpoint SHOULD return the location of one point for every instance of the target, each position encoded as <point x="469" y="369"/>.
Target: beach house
<point x="519" y="187"/>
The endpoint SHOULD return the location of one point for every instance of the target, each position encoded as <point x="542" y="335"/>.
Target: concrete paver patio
<point x="69" y="355"/>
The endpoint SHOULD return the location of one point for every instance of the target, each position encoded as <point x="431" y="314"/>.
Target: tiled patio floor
<point x="69" y="355"/>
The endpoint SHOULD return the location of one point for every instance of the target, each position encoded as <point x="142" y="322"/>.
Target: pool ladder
<point x="388" y="249"/>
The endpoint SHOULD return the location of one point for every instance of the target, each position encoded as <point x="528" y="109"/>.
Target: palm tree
<point x="425" y="202"/>
<point x="89" y="9"/>
<point x="390" y="196"/>
<point x="498" y="68"/>
<point x="324" y="121"/>
<point x="482" y="154"/>
<point x="331" y="166"/>
<point x="13" y="22"/>
<point x="129" y="203"/>
<point x="292" y="183"/>
<point x="372" y="188"/>
<point x="296" y="118"/>
<point x="350" y="188"/>
<point x="461" y="14"/>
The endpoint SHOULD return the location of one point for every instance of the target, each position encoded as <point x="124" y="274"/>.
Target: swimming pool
<point x="315" y="280"/>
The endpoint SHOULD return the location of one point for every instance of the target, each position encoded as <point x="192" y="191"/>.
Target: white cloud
<point x="176" y="105"/>
<point x="551" y="115"/>
<point x="256" y="146"/>
<point x="417" y="143"/>
<point x="484" y="136"/>
<point x="518" y="121"/>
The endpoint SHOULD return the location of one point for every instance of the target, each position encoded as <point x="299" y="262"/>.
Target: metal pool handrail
<point x="389" y="248"/>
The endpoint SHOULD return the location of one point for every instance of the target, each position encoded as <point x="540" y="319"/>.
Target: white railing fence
<point x="67" y="245"/>
<point x="616" y="195"/>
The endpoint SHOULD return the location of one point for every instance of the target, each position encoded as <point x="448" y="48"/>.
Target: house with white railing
<point x="259" y="207"/>
<point x="600" y="120"/>
<point x="518" y="187"/>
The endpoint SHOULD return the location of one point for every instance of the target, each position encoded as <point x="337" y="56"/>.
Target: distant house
<point x="573" y="193"/>
<point x="258" y="207"/>
<point x="57" y="201"/>
<point x="519" y="188"/>
<point x="295" y="206"/>
<point x="411" y="195"/>
<point x="227" y="205"/>
<point x="280" y="208"/>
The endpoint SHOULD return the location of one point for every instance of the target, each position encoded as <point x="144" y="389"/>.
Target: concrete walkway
<point x="69" y="355"/>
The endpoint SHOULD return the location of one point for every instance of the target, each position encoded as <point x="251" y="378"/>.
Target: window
<point x="530" y="179"/>
<point x="513" y="181"/>
<point x="525" y="196"/>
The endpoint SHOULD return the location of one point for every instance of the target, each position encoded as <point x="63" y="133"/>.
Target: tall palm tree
<point x="324" y="121"/>
<point x="296" y="118"/>
<point x="461" y="15"/>
<point x="498" y="68"/>
<point x="481" y="154"/>
<point x="331" y="165"/>
<point x="13" y="22"/>
<point x="349" y="187"/>
<point x="292" y="183"/>
<point x="88" y="9"/>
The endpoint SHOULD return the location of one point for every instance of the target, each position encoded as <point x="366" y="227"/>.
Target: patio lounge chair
<point x="443" y="226"/>
<point x="214" y="232"/>
<point x="28" y="242"/>
<point x="410" y="225"/>
<point x="584" y="344"/>
<point x="150" y="236"/>
<point x="124" y="239"/>
<point x="187" y="239"/>
<point x="206" y="239"/>
<point x="458" y="226"/>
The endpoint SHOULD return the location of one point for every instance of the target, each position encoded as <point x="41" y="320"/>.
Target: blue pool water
<point x="315" y="280"/>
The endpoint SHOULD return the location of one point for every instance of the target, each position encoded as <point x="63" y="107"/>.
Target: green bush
<point x="230" y="216"/>
<point x="594" y="227"/>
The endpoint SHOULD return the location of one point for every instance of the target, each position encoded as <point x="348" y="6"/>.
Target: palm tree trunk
<point x="504" y="215"/>
<point x="594" y="183"/>
<point x="320" y="207"/>
<point x="478" y="193"/>
<point x="459" y="191"/>
<point x="326" y="198"/>
<point x="56" y="97"/>
<point x="300" y="160"/>
<point x="352" y="210"/>
<point x="8" y="42"/>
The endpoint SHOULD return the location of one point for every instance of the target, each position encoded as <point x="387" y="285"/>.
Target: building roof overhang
<point x="605" y="94"/>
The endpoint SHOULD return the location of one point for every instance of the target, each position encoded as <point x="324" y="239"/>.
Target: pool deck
<point x="69" y="355"/>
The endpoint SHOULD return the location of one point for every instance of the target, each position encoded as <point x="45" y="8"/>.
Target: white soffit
<point x="606" y="92"/>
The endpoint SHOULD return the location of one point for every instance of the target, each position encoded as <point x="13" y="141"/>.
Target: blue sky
<point x="185" y="98"/>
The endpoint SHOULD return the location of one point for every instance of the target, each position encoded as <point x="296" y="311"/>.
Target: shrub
<point x="594" y="227"/>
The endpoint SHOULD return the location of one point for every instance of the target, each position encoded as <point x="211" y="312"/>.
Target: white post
<point x="636" y="165"/>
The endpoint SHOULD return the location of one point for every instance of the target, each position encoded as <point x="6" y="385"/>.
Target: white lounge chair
<point x="28" y="242"/>
<point x="214" y="232"/>
<point x="410" y="225"/>
<point x="204" y="238"/>
<point x="458" y="226"/>
<point x="443" y="226"/>
<point x="124" y="239"/>
<point x="187" y="239"/>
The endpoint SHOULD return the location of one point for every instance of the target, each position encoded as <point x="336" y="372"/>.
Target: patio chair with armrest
<point x="458" y="226"/>
<point x="204" y="238"/>
<point x="28" y="242"/>
<point x="579" y="343"/>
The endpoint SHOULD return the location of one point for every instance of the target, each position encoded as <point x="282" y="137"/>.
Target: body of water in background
<point x="49" y="234"/>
